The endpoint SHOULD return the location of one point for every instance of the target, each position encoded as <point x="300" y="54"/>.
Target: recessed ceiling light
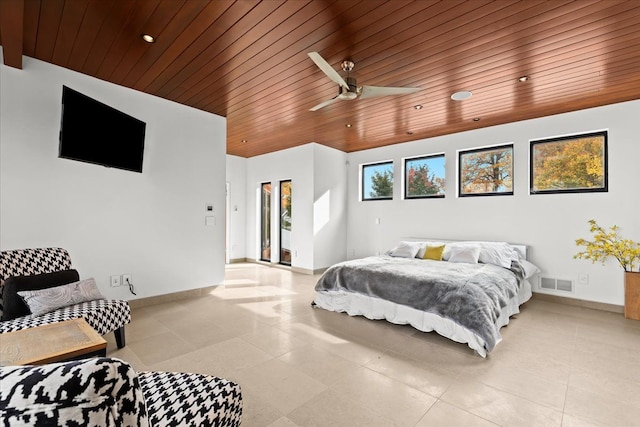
<point x="409" y="133"/>
<point x="461" y="96"/>
<point x="418" y="107"/>
<point x="148" y="38"/>
<point x="476" y="119"/>
<point x="348" y="125"/>
<point x="244" y="140"/>
<point x="523" y="79"/>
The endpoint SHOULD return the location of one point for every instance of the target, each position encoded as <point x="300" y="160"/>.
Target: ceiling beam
<point x="11" y="31"/>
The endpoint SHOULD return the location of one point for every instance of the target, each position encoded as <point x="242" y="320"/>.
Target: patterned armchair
<point x="103" y="315"/>
<point x="108" y="392"/>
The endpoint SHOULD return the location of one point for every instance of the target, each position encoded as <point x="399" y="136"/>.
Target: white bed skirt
<point x="376" y="309"/>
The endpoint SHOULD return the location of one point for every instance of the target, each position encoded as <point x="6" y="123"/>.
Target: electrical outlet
<point x="115" y="281"/>
<point x="583" y="278"/>
<point x="126" y="280"/>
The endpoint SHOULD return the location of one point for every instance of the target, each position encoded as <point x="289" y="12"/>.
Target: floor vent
<point x="551" y="284"/>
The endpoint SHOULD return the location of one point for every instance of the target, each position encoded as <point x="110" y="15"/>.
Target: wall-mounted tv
<point x="93" y="132"/>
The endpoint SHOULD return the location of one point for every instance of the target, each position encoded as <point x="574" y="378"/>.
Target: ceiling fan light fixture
<point x="347" y="95"/>
<point x="523" y="79"/>
<point x="148" y="38"/>
<point x="461" y="95"/>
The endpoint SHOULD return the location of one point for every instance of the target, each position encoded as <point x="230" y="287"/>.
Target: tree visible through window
<point x="424" y="177"/>
<point x="377" y="181"/>
<point x="486" y="171"/>
<point x="573" y="164"/>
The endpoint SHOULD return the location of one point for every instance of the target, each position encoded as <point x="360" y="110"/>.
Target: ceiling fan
<point x="347" y="88"/>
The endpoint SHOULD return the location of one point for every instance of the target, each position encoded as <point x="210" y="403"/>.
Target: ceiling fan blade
<point x="324" y="104"/>
<point x="326" y="68"/>
<point x="373" y="91"/>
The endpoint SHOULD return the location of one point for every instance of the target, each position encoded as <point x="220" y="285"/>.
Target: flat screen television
<point x="93" y="132"/>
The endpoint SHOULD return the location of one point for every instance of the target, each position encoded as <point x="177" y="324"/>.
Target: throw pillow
<point x="14" y="306"/>
<point x="468" y="254"/>
<point x="405" y="250"/>
<point x="46" y="300"/>
<point x="433" y="252"/>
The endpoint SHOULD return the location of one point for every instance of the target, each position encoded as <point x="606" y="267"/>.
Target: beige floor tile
<point x="256" y="410"/>
<point x="599" y="407"/>
<point x="281" y="385"/>
<point x="574" y="421"/>
<point x="431" y="379"/>
<point x="319" y="364"/>
<point x="619" y="389"/>
<point x="443" y="414"/>
<point x="329" y="409"/>
<point x="528" y="385"/>
<point x="220" y="359"/>
<point x="305" y="366"/>
<point x="273" y="340"/>
<point x="387" y="398"/>
<point x="500" y="407"/>
<point x="283" y="422"/>
<point x="160" y="347"/>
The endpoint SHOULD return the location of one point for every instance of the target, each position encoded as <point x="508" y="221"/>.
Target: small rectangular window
<point x="486" y="171"/>
<point x="424" y="177"/>
<point x="377" y="181"/>
<point x="569" y="164"/>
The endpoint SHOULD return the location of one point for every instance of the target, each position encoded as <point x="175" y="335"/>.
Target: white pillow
<point x="497" y="253"/>
<point x="466" y="253"/>
<point x="405" y="250"/>
<point x="46" y="300"/>
<point x="529" y="268"/>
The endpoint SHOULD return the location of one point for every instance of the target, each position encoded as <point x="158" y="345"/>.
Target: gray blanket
<point x="471" y="295"/>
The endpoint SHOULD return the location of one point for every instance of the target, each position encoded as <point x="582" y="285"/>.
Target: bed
<point x="466" y="292"/>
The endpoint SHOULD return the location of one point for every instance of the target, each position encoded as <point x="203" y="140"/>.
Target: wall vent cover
<point x="553" y="284"/>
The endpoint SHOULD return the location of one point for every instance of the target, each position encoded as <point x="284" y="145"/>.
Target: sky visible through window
<point x="369" y="170"/>
<point x="436" y="164"/>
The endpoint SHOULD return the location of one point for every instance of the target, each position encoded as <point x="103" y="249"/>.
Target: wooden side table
<point x="56" y="342"/>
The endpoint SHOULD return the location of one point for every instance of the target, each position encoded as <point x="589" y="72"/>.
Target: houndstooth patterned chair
<point x="103" y="315"/>
<point x="108" y="392"/>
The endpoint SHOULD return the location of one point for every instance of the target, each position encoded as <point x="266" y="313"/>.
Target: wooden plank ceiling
<point x="247" y="60"/>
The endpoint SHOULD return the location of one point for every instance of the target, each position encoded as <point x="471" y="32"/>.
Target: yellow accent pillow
<point x="433" y="252"/>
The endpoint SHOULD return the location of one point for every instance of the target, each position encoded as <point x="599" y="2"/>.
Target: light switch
<point x="210" y="221"/>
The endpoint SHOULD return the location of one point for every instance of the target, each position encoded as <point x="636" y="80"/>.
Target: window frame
<point x="405" y="180"/>
<point x="502" y="147"/>
<point x="280" y="223"/>
<point x="363" y="166"/>
<point x="605" y="163"/>
<point x="262" y="220"/>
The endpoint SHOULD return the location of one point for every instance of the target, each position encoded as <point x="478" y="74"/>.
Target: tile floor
<point x="301" y="366"/>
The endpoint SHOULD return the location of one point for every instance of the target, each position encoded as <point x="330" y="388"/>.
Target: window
<point x="486" y="171"/>
<point x="285" y="222"/>
<point x="424" y="177"/>
<point x="569" y="164"/>
<point x="377" y="181"/>
<point x="265" y="222"/>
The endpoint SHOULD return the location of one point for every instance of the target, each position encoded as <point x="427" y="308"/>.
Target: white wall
<point x="150" y="225"/>
<point x="237" y="219"/>
<point x="549" y="224"/>
<point x="329" y="206"/>
<point x="294" y="164"/>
